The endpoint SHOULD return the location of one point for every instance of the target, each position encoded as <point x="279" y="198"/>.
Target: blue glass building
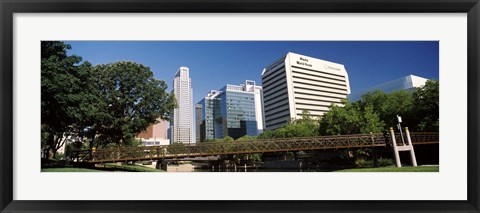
<point x="234" y="110"/>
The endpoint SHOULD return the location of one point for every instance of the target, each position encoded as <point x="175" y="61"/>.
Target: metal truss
<point x="247" y="147"/>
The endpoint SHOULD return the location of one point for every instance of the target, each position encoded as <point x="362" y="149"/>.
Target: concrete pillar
<point x="395" y="148"/>
<point x="412" y="152"/>
<point x="374" y="152"/>
<point x="162" y="165"/>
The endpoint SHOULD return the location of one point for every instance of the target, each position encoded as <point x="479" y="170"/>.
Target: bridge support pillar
<point x="162" y="165"/>
<point x="397" y="149"/>
<point x="412" y="151"/>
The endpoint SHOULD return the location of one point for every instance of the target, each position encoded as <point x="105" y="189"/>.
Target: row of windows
<point x="316" y="80"/>
<point x="268" y="92"/>
<point x="277" y="115"/>
<point x="240" y="109"/>
<point x="310" y="115"/>
<point x="276" y="110"/>
<point x="317" y="85"/>
<point x="276" y="105"/>
<point x="319" y="90"/>
<point x="278" y="123"/>
<point x="271" y="99"/>
<point x="327" y="73"/>
<point x="313" y="105"/>
<point x="271" y="69"/>
<point x="238" y="97"/>
<point x="270" y="121"/>
<point x="242" y="115"/>
<point x="317" y="100"/>
<point x="276" y="84"/>
<point x="308" y="72"/>
<point x="299" y="84"/>
<point x="238" y="103"/>
<point x="317" y="95"/>
<point x="230" y="99"/>
<point x="266" y="79"/>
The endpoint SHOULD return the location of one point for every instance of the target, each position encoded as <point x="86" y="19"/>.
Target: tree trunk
<point x="51" y="145"/>
<point x="92" y="143"/>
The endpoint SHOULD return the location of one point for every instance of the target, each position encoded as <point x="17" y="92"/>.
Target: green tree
<point x="247" y="138"/>
<point x="350" y="119"/>
<point x="226" y="139"/>
<point x="388" y="106"/>
<point x="371" y="121"/>
<point x="63" y="83"/>
<point x="268" y="134"/>
<point x="426" y="110"/>
<point x="134" y="99"/>
<point x="252" y="157"/>
<point x="306" y="126"/>
<point x="377" y="111"/>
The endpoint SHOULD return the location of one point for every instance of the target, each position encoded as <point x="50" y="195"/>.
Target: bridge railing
<point x="256" y="146"/>
<point x="80" y="155"/>
<point x="239" y="147"/>
<point x="416" y="137"/>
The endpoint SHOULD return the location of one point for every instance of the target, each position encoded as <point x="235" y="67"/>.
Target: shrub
<point x="363" y="163"/>
<point x="384" y="162"/>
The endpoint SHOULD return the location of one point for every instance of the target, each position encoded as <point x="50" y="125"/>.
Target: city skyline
<point x="216" y="63"/>
<point x="296" y="116"/>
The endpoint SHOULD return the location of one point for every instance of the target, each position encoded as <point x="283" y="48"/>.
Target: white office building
<point x="409" y="83"/>
<point x="182" y="124"/>
<point x="295" y="83"/>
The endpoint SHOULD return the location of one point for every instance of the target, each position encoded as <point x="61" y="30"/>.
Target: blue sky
<point x="213" y="64"/>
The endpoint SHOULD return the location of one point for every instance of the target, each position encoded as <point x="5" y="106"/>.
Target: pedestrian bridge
<point x="179" y="151"/>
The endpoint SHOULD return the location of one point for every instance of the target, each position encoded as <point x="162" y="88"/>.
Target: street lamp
<point x="399" y="126"/>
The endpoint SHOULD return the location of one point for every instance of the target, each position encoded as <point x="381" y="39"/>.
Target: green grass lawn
<point x="130" y="168"/>
<point x="108" y="167"/>
<point x="394" y="169"/>
<point x="70" y="170"/>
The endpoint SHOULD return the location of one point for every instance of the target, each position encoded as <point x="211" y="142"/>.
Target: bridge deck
<point x="247" y="147"/>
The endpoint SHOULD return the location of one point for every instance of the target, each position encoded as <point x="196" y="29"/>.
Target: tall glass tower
<point x="182" y="124"/>
<point x="234" y="110"/>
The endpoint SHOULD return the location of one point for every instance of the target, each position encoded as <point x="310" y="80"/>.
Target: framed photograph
<point x="285" y="102"/>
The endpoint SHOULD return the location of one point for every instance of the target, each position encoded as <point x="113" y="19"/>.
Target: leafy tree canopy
<point x="377" y="112"/>
<point x="426" y="108"/>
<point x="306" y="126"/>
<point x="64" y="93"/>
<point x="350" y="119"/>
<point x="108" y="103"/>
<point x="134" y="98"/>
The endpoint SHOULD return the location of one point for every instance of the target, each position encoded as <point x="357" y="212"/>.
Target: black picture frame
<point x="9" y="7"/>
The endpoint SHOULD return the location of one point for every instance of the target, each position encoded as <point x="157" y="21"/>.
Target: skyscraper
<point x="198" y="121"/>
<point x="210" y="126"/>
<point x="182" y="124"/>
<point x="297" y="83"/>
<point x="234" y="110"/>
